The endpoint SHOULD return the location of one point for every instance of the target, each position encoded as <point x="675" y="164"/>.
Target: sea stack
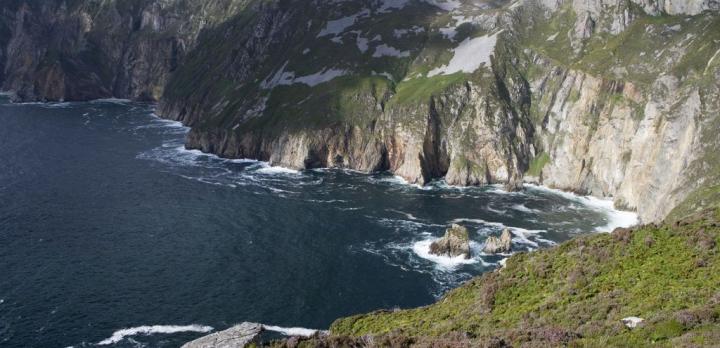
<point x="455" y="242"/>
<point x="494" y="245"/>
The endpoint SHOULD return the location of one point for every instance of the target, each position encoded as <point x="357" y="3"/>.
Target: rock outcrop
<point x="455" y="242"/>
<point x="494" y="245"/>
<point x="632" y="322"/>
<point x="237" y="336"/>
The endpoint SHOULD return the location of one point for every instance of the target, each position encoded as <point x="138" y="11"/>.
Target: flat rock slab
<point x="235" y="337"/>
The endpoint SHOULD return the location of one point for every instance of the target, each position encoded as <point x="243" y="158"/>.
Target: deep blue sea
<point x="108" y="223"/>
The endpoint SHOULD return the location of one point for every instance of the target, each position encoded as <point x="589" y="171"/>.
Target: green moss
<point x="633" y="54"/>
<point x="538" y="163"/>
<point x="667" y="329"/>
<point x="539" y="34"/>
<point x="574" y="96"/>
<point x="422" y="88"/>
<point x="462" y="164"/>
<point x="702" y="198"/>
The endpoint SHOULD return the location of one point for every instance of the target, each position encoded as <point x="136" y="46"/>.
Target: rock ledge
<point x="235" y="337"/>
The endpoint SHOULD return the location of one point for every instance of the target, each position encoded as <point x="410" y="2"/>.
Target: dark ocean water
<point x="107" y="223"/>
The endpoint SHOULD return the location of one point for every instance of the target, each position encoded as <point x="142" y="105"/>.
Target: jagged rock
<point x="503" y="244"/>
<point x="237" y="336"/>
<point x="455" y="242"/>
<point x="514" y="185"/>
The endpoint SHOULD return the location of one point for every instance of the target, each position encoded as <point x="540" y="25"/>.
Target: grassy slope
<point x="574" y="294"/>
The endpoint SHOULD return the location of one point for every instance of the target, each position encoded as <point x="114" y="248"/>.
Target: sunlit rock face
<point x="610" y="98"/>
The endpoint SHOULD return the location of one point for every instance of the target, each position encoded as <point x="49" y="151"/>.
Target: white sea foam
<point x="119" y="335"/>
<point x="398" y="180"/>
<point x="503" y="262"/>
<point x="405" y="224"/>
<point x="291" y="331"/>
<point x="524" y="209"/>
<point x="477" y="221"/>
<point x="408" y="215"/>
<point x="267" y="169"/>
<point x="422" y="249"/>
<point x="56" y="105"/>
<point x="496" y="188"/>
<point x="496" y="211"/>
<point x="616" y="218"/>
<point x="242" y="160"/>
<point x="522" y="238"/>
<point x="169" y="123"/>
<point x="111" y="100"/>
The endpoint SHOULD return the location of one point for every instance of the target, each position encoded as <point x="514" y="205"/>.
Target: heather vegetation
<point x="572" y="295"/>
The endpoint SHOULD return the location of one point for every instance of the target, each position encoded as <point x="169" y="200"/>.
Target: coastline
<point x="178" y="124"/>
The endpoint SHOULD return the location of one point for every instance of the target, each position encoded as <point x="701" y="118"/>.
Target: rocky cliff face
<point x="369" y="114"/>
<point x="79" y="50"/>
<point x="620" y="115"/>
<point x="610" y="98"/>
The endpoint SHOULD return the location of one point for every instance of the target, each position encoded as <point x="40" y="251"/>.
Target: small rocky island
<point x="494" y="245"/>
<point x="455" y="242"/>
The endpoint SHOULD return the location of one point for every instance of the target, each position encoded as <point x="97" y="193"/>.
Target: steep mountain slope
<point x="575" y="294"/>
<point x="579" y="97"/>
<point x="80" y="50"/>
<point x="612" y="98"/>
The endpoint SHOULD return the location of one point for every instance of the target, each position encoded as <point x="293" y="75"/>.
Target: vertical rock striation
<point x="69" y="50"/>
<point x="610" y="98"/>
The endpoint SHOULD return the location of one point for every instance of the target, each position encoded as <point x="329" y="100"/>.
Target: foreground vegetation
<point x="572" y="295"/>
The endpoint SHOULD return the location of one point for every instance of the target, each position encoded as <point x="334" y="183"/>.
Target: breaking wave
<point x="615" y="218"/>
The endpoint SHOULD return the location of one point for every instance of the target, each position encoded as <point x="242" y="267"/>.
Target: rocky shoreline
<point x="612" y="99"/>
<point x="640" y="134"/>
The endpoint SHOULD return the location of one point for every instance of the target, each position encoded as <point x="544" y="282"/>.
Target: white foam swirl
<point x="119" y="335"/>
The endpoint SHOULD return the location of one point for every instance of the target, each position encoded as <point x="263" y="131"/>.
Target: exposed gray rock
<point x="637" y="126"/>
<point x="494" y="245"/>
<point x="237" y="336"/>
<point x="632" y="322"/>
<point x="455" y="242"/>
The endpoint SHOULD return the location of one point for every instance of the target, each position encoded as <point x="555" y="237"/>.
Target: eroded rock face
<point x="237" y="336"/>
<point x="455" y="242"/>
<point x="636" y="126"/>
<point x="494" y="245"/>
<point x="55" y="51"/>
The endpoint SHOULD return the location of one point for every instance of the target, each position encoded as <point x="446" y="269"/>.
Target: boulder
<point x="455" y="242"/>
<point x="632" y="322"/>
<point x="237" y="336"/>
<point x="494" y="245"/>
